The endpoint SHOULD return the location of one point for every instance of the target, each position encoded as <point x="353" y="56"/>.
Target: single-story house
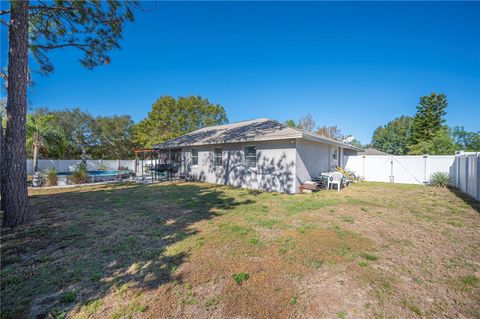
<point x="256" y="154"/>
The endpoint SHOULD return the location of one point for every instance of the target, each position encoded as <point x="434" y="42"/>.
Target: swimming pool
<point x="95" y="176"/>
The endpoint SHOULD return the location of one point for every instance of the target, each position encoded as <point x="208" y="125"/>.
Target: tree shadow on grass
<point x="84" y="243"/>
<point x="467" y="199"/>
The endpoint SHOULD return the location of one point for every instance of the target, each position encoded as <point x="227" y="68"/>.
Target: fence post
<point x="478" y="176"/>
<point x="425" y="169"/>
<point x="392" y="178"/>
<point x="363" y="169"/>
<point x="466" y="174"/>
<point x="457" y="168"/>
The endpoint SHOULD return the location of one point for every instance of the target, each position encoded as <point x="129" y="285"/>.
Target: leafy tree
<point x="357" y="143"/>
<point x="93" y="27"/>
<point x="439" y="144"/>
<point x="171" y="117"/>
<point x="113" y="136"/>
<point x="306" y="123"/>
<point x="103" y="137"/>
<point x="332" y="132"/>
<point x="78" y="126"/>
<point x="467" y="141"/>
<point x="40" y="131"/>
<point x="429" y="118"/>
<point x="290" y="123"/>
<point x="394" y="137"/>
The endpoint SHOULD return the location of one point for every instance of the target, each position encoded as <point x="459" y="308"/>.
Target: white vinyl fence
<point x="68" y="165"/>
<point x="466" y="173"/>
<point x="463" y="169"/>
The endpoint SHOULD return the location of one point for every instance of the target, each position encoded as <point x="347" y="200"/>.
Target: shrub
<point x="50" y="177"/>
<point x="439" y="179"/>
<point x="68" y="297"/>
<point x="79" y="174"/>
<point x="241" y="276"/>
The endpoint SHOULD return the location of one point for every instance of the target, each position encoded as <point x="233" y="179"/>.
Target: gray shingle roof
<point x="372" y="151"/>
<point x="261" y="129"/>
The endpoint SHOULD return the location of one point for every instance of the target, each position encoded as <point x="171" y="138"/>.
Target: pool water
<point x="99" y="173"/>
<point x="94" y="176"/>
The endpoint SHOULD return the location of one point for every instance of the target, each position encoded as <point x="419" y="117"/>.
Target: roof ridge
<point x="230" y="123"/>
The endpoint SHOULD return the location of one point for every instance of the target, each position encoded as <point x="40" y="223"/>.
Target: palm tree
<point x="40" y="132"/>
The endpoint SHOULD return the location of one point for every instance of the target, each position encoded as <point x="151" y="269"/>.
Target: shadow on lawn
<point x="472" y="202"/>
<point x="85" y="243"/>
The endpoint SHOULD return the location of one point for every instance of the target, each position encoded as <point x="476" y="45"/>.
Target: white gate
<point x="398" y="169"/>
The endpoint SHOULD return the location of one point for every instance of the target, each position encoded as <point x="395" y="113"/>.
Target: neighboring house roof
<point x="372" y="151"/>
<point x="261" y="129"/>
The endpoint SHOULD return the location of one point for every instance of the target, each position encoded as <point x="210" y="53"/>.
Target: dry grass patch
<point x="192" y="250"/>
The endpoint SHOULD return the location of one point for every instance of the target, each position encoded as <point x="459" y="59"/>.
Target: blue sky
<point x="355" y="65"/>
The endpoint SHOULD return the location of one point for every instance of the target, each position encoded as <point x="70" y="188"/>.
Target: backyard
<point x="184" y="250"/>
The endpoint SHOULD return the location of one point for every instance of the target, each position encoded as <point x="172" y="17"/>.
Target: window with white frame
<point x="194" y="156"/>
<point x="217" y="156"/>
<point x="250" y="156"/>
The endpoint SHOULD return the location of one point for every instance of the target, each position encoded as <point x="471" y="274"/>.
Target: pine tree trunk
<point x="2" y="197"/>
<point x="15" y="163"/>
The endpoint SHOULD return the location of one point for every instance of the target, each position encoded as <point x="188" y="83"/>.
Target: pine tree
<point x="93" y="27"/>
<point x="429" y="118"/>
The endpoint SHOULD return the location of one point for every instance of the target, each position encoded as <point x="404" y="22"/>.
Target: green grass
<point x="89" y="308"/>
<point x="68" y="297"/>
<point x="212" y="303"/>
<point x="468" y="282"/>
<point x="235" y="229"/>
<point x="408" y="304"/>
<point x="129" y="310"/>
<point x="369" y="256"/>
<point x="347" y="219"/>
<point x="455" y="223"/>
<point x="254" y="242"/>
<point x="293" y="300"/>
<point x="240" y="277"/>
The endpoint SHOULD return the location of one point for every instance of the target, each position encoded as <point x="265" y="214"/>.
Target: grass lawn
<point x="192" y="250"/>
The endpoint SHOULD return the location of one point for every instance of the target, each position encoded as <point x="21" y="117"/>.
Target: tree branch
<point x="80" y="46"/>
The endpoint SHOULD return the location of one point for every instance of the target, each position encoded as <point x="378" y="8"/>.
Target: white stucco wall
<point x="275" y="169"/>
<point x="311" y="159"/>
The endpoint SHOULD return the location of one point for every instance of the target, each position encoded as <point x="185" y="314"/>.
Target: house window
<point x="217" y="156"/>
<point x="194" y="156"/>
<point x="250" y="156"/>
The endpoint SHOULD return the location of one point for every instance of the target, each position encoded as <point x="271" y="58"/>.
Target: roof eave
<point x="282" y="137"/>
<point x="330" y="142"/>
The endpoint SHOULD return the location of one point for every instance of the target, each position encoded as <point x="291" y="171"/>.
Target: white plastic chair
<point x="335" y="179"/>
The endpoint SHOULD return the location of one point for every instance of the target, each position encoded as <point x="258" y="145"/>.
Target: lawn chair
<point x="335" y="179"/>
